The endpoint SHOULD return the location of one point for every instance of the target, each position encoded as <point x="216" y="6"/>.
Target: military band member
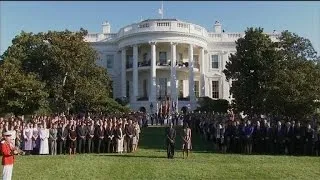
<point x="8" y="150"/>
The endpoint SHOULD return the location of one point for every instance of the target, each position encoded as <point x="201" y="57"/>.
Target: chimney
<point x="106" y="29"/>
<point x="217" y="27"/>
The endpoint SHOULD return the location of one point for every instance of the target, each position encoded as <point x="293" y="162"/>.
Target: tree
<point x="20" y="93"/>
<point x="65" y="64"/>
<point x="297" y="84"/>
<point x="251" y="68"/>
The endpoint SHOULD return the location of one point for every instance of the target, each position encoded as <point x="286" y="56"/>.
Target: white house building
<point x="158" y="58"/>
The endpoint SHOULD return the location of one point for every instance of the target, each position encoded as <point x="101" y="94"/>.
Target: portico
<point x="168" y="64"/>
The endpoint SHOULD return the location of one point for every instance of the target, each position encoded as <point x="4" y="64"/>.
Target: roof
<point x="159" y="20"/>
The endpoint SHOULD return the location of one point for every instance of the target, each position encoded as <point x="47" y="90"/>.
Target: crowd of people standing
<point x="69" y="135"/>
<point x="256" y="135"/>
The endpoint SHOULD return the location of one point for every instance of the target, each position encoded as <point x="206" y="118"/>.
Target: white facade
<point x="139" y="56"/>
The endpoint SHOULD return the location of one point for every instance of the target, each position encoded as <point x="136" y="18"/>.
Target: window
<point x="129" y="61"/>
<point x="145" y="94"/>
<point x="180" y="88"/>
<point x="128" y="89"/>
<point x="180" y="58"/>
<point x="145" y="55"/>
<point x="163" y="87"/>
<point x="163" y="58"/>
<point x="110" y="59"/>
<point x="196" y="61"/>
<point x="196" y="88"/>
<point x="215" y="61"/>
<point x="215" y="89"/>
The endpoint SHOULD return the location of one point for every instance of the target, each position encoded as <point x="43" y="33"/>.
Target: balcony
<point x="181" y="98"/>
<point x="144" y="63"/>
<point x="144" y="98"/>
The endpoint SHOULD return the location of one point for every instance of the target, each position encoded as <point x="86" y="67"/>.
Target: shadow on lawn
<point x="154" y="138"/>
<point x="129" y="155"/>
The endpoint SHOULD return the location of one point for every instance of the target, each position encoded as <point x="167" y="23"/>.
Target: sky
<point x="301" y="17"/>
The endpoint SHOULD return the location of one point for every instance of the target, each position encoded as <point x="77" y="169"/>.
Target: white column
<point x="202" y="65"/>
<point x="174" y="96"/>
<point x="123" y="73"/>
<point x="191" y="74"/>
<point x="153" y="82"/>
<point x="135" y="74"/>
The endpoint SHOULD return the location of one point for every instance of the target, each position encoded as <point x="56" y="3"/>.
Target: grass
<point x="150" y="162"/>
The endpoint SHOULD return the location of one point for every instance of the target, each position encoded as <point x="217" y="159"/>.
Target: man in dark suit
<point x="129" y="130"/>
<point x="90" y="137"/>
<point x="279" y="138"/>
<point x="63" y="133"/>
<point x="109" y="134"/>
<point x="170" y="140"/>
<point x="100" y="136"/>
<point x="82" y="133"/>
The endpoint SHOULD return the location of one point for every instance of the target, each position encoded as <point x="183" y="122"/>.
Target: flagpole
<point x="162" y="9"/>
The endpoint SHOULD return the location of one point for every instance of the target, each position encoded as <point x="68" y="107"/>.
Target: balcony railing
<point x="144" y="98"/>
<point x="144" y="63"/>
<point x="158" y="63"/>
<point x="184" y="98"/>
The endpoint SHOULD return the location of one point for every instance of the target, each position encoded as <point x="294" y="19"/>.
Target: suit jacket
<point x="90" y="131"/>
<point x="82" y="131"/>
<point x="129" y="130"/>
<point x="118" y="133"/>
<point x="109" y="132"/>
<point x="100" y="132"/>
<point x="171" y="133"/>
<point x="53" y="134"/>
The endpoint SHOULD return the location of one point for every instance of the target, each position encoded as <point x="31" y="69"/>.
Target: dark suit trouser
<point x="109" y="146"/>
<point x="81" y="144"/>
<point x="129" y="144"/>
<point x="62" y="147"/>
<point x="170" y="150"/>
<point x="100" y="145"/>
<point x="90" y="145"/>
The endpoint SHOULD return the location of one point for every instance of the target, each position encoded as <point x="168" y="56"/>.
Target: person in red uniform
<point x="8" y="151"/>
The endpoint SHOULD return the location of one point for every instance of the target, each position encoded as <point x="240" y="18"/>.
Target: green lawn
<point x="150" y="163"/>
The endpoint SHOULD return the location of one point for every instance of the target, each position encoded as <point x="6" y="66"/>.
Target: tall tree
<point x="66" y="65"/>
<point x="297" y="84"/>
<point x="20" y="93"/>
<point x="251" y="68"/>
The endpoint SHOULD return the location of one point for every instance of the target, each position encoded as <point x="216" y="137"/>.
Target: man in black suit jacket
<point x="82" y="133"/>
<point x="129" y="130"/>
<point x="100" y="136"/>
<point x="170" y="139"/>
<point x="90" y="137"/>
<point x="109" y="136"/>
<point x="63" y="133"/>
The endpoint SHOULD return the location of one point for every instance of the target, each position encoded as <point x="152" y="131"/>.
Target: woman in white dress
<point x="27" y="135"/>
<point x="136" y="136"/>
<point x="44" y="143"/>
<point x="119" y="135"/>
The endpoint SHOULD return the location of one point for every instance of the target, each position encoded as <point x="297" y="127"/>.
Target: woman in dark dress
<point x="72" y="140"/>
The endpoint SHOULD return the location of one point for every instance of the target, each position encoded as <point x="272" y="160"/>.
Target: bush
<point x="209" y="105"/>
